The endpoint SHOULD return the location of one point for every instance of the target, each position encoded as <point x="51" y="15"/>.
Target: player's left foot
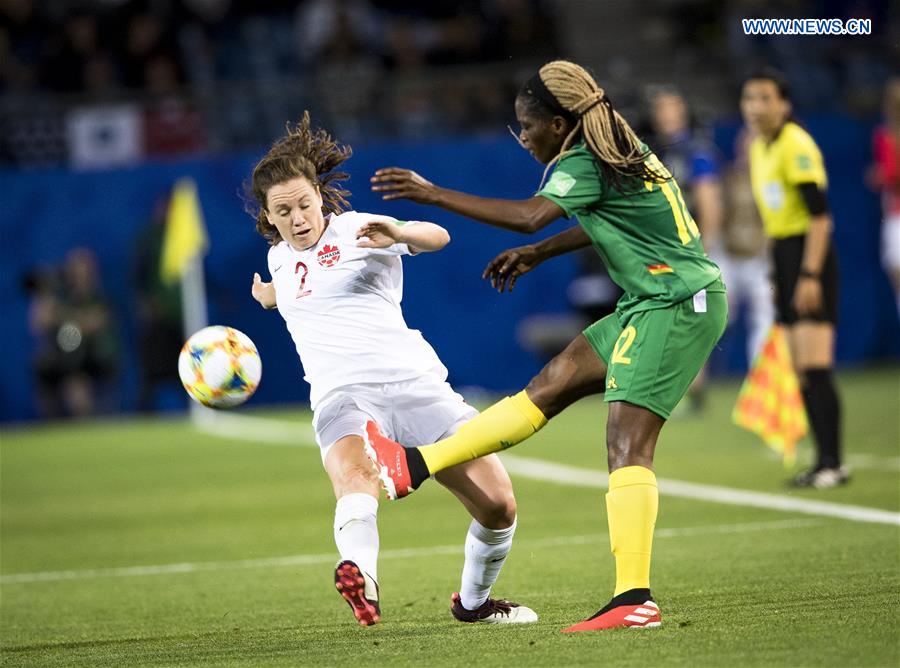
<point x="390" y="459"/>
<point x="359" y="590"/>
<point x="634" y="608"/>
<point x="492" y="611"/>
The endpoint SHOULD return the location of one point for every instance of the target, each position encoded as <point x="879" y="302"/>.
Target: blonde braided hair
<point x="305" y="152"/>
<point x="606" y="133"/>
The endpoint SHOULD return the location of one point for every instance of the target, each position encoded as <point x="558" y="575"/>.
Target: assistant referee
<point x="789" y="186"/>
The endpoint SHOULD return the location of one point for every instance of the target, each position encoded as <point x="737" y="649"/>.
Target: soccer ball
<point x="219" y="367"/>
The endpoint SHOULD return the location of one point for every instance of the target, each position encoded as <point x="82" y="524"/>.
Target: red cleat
<point x="351" y="583"/>
<point x="389" y="458"/>
<point x="643" y="616"/>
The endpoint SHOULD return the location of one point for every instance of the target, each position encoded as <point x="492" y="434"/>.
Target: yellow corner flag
<point x="185" y="235"/>
<point x="770" y="403"/>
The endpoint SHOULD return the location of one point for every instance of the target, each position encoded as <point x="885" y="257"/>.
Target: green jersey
<point x="645" y="236"/>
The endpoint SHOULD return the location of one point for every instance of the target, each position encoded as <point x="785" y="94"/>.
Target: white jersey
<point x="341" y="304"/>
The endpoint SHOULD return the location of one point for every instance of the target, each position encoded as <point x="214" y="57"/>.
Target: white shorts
<point x="411" y="412"/>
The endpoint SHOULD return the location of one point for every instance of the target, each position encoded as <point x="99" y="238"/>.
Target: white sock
<point x="356" y="531"/>
<point x="486" y="550"/>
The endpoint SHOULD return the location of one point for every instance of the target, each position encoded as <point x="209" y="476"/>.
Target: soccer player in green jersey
<point x="645" y="355"/>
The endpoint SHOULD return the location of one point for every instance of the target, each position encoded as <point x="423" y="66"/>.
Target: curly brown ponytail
<point x="305" y="152"/>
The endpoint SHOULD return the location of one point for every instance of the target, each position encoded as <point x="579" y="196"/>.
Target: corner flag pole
<point x="184" y="245"/>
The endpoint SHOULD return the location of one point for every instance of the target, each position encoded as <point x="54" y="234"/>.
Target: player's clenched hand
<point x="808" y="296"/>
<point x="264" y="293"/>
<point x="379" y="234"/>
<point x="504" y="270"/>
<point x="397" y="183"/>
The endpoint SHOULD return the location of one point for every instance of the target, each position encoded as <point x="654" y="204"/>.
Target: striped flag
<point x="770" y="403"/>
<point x="185" y="236"/>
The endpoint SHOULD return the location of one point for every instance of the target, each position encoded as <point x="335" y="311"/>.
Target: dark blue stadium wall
<point x="46" y="213"/>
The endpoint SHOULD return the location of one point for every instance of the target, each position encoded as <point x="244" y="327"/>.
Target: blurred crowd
<point x="109" y="82"/>
<point x="214" y="74"/>
<point x="101" y="46"/>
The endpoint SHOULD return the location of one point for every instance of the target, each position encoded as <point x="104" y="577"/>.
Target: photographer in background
<point x="78" y="352"/>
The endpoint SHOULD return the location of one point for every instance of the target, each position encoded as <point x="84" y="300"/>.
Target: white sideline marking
<point x="250" y="428"/>
<point x="316" y="559"/>
<point x="570" y="475"/>
<point x="874" y="462"/>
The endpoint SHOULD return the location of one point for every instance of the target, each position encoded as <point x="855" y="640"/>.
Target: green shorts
<point x="653" y="357"/>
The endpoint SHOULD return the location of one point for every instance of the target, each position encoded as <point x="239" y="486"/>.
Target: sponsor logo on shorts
<point x="611" y="384"/>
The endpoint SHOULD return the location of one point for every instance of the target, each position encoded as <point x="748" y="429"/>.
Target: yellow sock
<point x="631" y="504"/>
<point x="501" y="426"/>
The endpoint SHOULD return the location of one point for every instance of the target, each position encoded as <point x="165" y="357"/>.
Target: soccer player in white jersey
<point x="337" y="281"/>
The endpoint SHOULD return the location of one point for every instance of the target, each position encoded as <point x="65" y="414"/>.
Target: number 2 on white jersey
<point x="300" y="291"/>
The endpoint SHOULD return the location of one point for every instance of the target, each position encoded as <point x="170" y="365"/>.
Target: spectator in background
<point x="885" y="176"/>
<point x="519" y="29"/>
<point x="160" y="324"/>
<point x="340" y="41"/>
<point x="691" y="157"/>
<point x="693" y="160"/>
<point x="336" y="30"/>
<point x="22" y="41"/>
<point x="76" y="60"/>
<point x="151" y="57"/>
<point x="742" y="252"/>
<point x="79" y="348"/>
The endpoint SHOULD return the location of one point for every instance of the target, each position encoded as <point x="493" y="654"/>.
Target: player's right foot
<point x="634" y="608"/>
<point x="492" y="611"/>
<point x="390" y="459"/>
<point x="359" y="590"/>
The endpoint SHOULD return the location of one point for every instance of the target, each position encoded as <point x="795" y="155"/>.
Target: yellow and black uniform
<point x="783" y="173"/>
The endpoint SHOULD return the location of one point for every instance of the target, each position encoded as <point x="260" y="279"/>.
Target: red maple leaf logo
<point x="329" y="255"/>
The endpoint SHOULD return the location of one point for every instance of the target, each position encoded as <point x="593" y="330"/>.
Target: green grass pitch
<point x="232" y="555"/>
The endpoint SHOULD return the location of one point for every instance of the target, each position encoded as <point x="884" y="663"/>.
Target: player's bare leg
<point x="355" y="527"/>
<point x="575" y="373"/>
<point x="484" y="488"/>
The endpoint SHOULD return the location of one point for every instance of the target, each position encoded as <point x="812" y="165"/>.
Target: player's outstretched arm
<point x="505" y="269"/>
<point x="419" y="236"/>
<point x="264" y="293"/>
<point x="525" y="216"/>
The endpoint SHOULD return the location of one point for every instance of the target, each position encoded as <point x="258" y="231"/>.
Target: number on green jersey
<point x="684" y="222"/>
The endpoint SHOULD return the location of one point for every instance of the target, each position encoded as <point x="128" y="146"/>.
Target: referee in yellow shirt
<point x="789" y="186"/>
